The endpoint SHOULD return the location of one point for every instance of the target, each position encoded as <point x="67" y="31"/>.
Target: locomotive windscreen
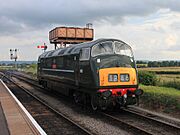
<point x="112" y="54"/>
<point x="110" y="47"/>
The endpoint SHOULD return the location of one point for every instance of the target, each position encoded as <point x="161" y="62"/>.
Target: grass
<point x="161" y="99"/>
<point x="161" y="69"/>
<point x="141" y="65"/>
<point x="166" y="76"/>
<point x="169" y="80"/>
<point x="161" y="91"/>
<point x="169" y="77"/>
<point x="6" y="67"/>
<point x="31" y="70"/>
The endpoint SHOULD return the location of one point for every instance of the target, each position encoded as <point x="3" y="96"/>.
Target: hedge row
<point x="166" y="72"/>
<point x="147" y="78"/>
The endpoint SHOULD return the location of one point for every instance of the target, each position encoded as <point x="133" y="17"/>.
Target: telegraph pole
<point x="13" y="55"/>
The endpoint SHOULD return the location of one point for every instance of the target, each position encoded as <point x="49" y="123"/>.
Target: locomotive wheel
<point x="103" y="104"/>
<point x="117" y="107"/>
<point x="94" y="104"/>
<point x="103" y="107"/>
<point x="76" y="97"/>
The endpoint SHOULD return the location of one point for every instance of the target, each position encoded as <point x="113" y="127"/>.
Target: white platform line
<point x="41" y="131"/>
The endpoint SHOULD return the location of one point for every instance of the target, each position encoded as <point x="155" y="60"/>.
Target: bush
<point x="147" y="78"/>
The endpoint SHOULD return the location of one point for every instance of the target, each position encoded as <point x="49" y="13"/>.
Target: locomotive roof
<point x="73" y="48"/>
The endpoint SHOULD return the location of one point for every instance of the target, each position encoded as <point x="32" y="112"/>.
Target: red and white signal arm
<point x="42" y="47"/>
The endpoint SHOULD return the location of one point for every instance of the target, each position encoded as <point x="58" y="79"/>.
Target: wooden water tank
<point x="70" y="35"/>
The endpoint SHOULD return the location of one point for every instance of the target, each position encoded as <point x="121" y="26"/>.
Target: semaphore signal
<point x="43" y="47"/>
<point x="14" y="56"/>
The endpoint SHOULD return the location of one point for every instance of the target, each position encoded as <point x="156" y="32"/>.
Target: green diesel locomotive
<point x="102" y="72"/>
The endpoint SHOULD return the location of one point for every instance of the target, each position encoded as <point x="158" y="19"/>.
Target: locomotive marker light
<point x="98" y="60"/>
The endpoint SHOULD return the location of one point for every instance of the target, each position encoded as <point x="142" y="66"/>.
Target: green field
<point x="142" y="65"/>
<point x="166" y="76"/>
<point x="161" y="99"/>
<point x="162" y="70"/>
<point x="31" y="70"/>
<point x="174" y="69"/>
<point x="6" y="67"/>
<point x="165" y="96"/>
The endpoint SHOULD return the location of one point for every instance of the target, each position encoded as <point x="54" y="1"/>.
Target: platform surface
<point x="3" y="124"/>
<point x="14" y="118"/>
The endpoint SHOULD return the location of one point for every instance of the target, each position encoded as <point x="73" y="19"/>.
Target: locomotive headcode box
<point x="70" y="35"/>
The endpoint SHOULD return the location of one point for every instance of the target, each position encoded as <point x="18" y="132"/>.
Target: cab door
<point x="84" y="67"/>
<point x="76" y="69"/>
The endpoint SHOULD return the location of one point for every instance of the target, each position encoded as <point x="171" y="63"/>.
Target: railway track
<point x="135" y="122"/>
<point x="51" y="120"/>
<point x="174" y="127"/>
<point x="143" y="123"/>
<point x="126" y="125"/>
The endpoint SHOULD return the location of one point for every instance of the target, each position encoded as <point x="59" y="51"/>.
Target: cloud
<point x="171" y="40"/>
<point x="8" y="26"/>
<point x="150" y="38"/>
<point x="171" y="55"/>
<point x="149" y="26"/>
<point x="22" y="15"/>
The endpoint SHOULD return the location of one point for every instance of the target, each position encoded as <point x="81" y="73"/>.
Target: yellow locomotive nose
<point x="117" y="76"/>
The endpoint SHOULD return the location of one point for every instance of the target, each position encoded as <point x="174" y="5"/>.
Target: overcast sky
<point x="151" y="27"/>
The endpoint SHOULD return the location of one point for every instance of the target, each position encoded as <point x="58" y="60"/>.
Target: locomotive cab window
<point x="123" y="49"/>
<point x="102" y="48"/>
<point x="84" y="54"/>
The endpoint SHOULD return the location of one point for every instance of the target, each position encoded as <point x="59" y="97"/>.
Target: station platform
<point x="14" y="118"/>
